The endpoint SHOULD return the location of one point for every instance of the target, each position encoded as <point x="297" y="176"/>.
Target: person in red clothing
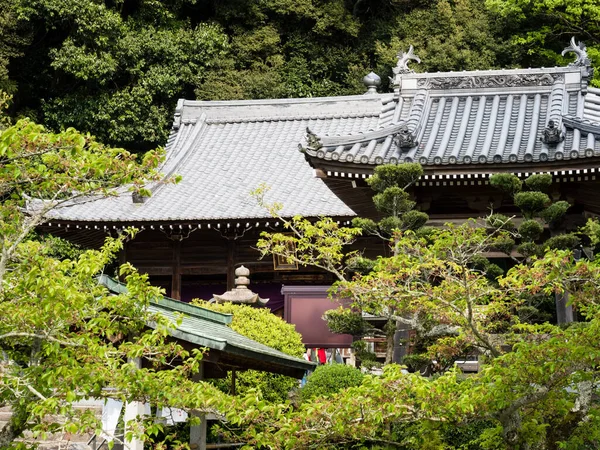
<point x="322" y="356"/>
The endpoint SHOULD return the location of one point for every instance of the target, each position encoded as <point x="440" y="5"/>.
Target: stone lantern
<point x="241" y="293"/>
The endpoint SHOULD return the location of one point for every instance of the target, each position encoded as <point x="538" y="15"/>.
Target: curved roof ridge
<point x="488" y="72"/>
<point x="582" y="124"/>
<point x="276" y="110"/>
<point x="363" y="137"/>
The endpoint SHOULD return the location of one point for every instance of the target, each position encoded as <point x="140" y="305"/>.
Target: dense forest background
<point x="115" y="68"/>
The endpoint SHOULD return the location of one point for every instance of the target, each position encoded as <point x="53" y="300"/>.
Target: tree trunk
<point x="9" y="433"/>
<point x="390" y="332"/>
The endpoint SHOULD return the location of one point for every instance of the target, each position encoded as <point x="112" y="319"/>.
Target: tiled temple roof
<point x="456" y="123"/>
<point x="476" y="118"/>
<point x="225" y="149"/>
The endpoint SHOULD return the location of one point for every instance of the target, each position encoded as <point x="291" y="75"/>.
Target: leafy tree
<point x="64" y="337"/>
<point x="320" y="244"/>
<point x="113" y="68"/>
<point x="390" y="183"/>
<point x="325" y="250"/>
<point x="540" y="27"/>
<point x="535" y="388"/>
<point x="537" y="209"/>
<point x="262" y="326"/>
<point x="13" y="39"/>
<point x="448" y="36"/>
<point x="391" y="199"/>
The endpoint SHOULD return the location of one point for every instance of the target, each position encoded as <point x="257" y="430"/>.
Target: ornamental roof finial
<point x="371" y="81"/>
<point x="403" y="60"/>
<point x="582" y="61"/>
<point x="313" y="140"/>
<point x="580" y="50"/>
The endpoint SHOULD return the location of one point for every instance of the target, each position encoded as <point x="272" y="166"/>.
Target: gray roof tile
<point x="224" y="150"/>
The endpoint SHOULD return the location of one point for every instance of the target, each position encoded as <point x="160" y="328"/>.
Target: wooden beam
<point x="230" y="263"/>
<point x="176" y="276"/>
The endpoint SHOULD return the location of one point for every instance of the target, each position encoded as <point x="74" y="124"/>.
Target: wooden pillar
<point x="230" y="263"/>
<point x="564" y="311"/>
<point x="198" y="432"/>
<point x="133" y="410"/>
<point x="176" y="276"/>
<point x="401" y="342"/>
<point x="122" y="256"/>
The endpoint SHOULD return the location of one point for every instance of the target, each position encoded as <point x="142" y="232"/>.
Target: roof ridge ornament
<point x="403" y="59"/>
<point x="371" y="82"/>
<point x="582" y="61"/>
<point x="406" y="139"/>
<point x="580" y="50"/>
<point x="552" y="134"/>
<point x="313" y="141"/>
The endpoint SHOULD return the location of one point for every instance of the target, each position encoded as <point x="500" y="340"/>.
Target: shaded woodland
<point x="115" y="68"/>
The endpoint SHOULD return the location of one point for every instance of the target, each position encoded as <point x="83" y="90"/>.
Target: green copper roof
<point x="166" y="303"/>
<point x="206" y="328"/>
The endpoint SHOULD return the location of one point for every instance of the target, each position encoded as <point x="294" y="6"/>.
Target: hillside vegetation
<point x="115" y="68"/>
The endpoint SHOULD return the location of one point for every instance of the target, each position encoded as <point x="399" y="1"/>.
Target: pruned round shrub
<point x="366" y="357"/>
<point x="503" y="244"/>
<point x="388" y="175"/>
<point x="360" y="264"/>
<point x="265" y="327"/>
<point x="506" y="182"/>
<point x="413" y="220"/>
<point x="367" y="225"/>
<point x="539" y="182"/>
<point x="389" y="224"/>
<point x="531" y="202"/>
<point x="500" y="222"/>
<point x="563" y="242"/>
<point x="493" y="271"/>
<point x="427" y="232"/>
<point x="479" y="262"/>
<point x="329" y="379"/>
<point x="416" y="362"/>
<point x="531" y="230"/>
<point x="556" y="212"/>
<point x="531" y="314"/>
<point x="393" y="201"/>
<point x="529" y="249"/>
<point x="345" y="321"/>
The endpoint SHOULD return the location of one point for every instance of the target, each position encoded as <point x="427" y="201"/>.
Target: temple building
<point x="315" y="155"/>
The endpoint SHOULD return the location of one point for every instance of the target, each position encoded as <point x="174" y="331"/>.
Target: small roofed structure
<point x="241" y="293"/>
<point x="227" y="349"/>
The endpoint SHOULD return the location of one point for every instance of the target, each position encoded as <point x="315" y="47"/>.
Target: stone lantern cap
<point x="241" y="293"/>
